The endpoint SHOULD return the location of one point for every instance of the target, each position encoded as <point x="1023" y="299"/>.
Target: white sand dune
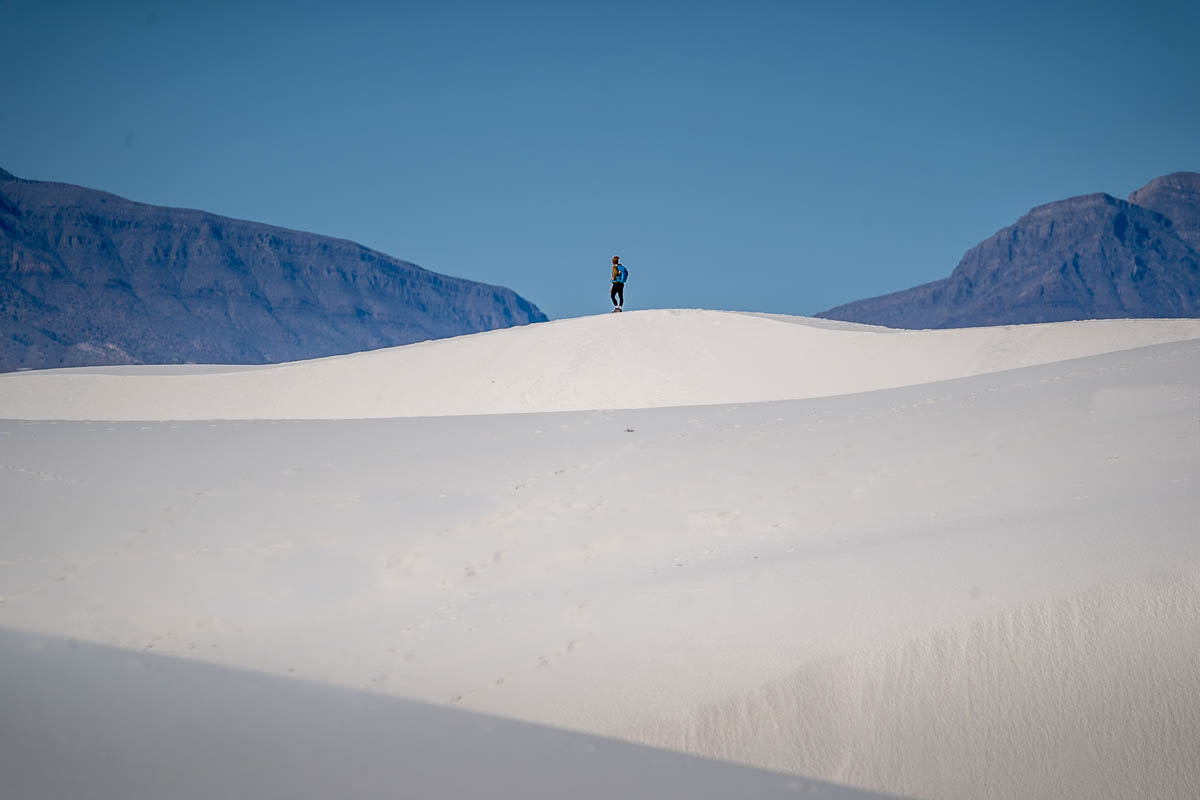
<point x="150" y="728"/>
<point x="986" y="586"/>
<point x="641" y="359"/>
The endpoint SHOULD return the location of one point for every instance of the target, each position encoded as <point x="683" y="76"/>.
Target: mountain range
<point x="90" y="278"/>
<point x="1088" y="257"/>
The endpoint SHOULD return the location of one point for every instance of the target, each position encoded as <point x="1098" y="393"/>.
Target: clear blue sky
<point x="776" y="156"/>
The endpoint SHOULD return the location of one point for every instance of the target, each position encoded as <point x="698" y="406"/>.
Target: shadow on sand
<point x="82" y="720"/>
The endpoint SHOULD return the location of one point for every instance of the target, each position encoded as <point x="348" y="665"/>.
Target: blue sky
<point x="775" y="156"/>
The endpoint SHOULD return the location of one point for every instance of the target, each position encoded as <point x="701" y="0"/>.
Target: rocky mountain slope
<point x="1088" y="257"/>
<point x="89" y="278"/>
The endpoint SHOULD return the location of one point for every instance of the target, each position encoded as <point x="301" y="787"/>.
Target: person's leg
<point x="621" y="295"/>
<point x="613" y="295"/>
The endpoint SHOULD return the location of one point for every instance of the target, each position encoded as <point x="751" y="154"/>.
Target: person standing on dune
<point x="619" y="275"/>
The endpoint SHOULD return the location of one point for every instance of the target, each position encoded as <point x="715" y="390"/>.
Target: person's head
<point x="616" y="259"/>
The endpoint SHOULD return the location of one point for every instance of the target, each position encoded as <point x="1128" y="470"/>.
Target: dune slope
<point x="97" y="722"/>
<point x="644" y="359"/>
<point x="984" y="587"/>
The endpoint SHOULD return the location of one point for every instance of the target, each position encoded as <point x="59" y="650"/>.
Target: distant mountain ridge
<point x="1087" y="257"/>
<point x="90" y="278"/>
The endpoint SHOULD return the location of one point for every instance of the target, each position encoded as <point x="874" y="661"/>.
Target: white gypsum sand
<point x="639" y="359"/>
<point x="983" y="587"/>
<point x="83" y="720"/>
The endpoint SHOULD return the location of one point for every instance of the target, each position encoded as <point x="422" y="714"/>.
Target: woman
<point x="619" y="274"/>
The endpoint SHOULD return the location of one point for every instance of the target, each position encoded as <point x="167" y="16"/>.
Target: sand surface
<point x="984" y="586"/>
<point x="639" y="359"/>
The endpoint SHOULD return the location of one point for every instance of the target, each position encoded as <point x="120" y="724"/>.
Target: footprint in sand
<point x="569" y="647"/>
